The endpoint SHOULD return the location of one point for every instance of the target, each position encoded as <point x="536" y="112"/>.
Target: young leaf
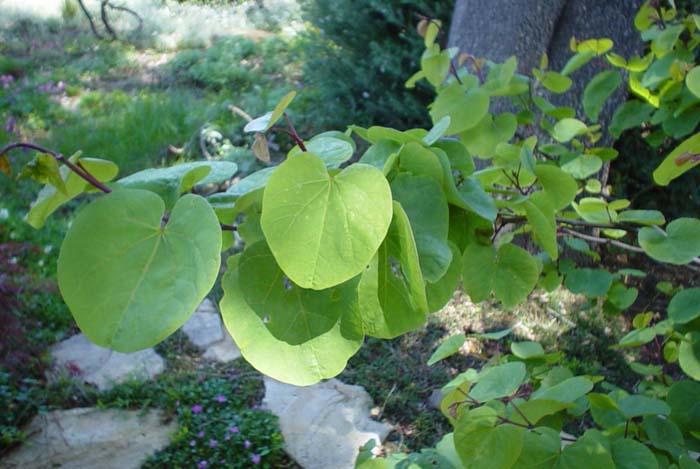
<point x="598" y="90"/>
<point x="568" y="128"/>
<point x="447" y="348"/>
<point x="466" y="109"/>
<point x="324" y="229"/>
<point x="122" y="273"/>
<point x="44" y="169"/>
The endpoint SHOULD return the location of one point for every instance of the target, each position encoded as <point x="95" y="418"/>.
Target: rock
<point x="323" y="425"/>
<point x="101" y="366"/>
<point x="205" y="330"/>
<point x="435" y="399"/>
<point x="89" y="437"/>
<point x="223" y="351"/>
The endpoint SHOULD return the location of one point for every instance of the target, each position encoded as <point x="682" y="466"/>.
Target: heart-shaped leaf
<point x="294" y="335"/>
<point x="678" y="245"/>
<point x="685" y="306"/>
<point x="324" y="229"/>
<point x="129" y="281"/>
<point x="465" y="108"/>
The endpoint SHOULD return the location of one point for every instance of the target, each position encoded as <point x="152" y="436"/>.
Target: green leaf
<point x="527" y="350"/>
<point x="49" y="198"/>
<point x="437" y="131"/>
<point x="540" y="215"/>
<point x="534" y="410"/>
<point x="686" y="461"/>
<point x="420" y="161"/>
<point x="685" y="306"/>
<point x="44" y="169"/>
<point x="439" y="293"/>
<point x="131" y="282"/>
<point x="541" y="448"/>
<point x="553" y="81"/>
<point x="170" y="182"/>
<point x="689" y="355"/>
<point x="457" y="154"/>
<point x="679" y="245"/>
<point x="558" y="185"/>
<point x="692" y="81"/>
<point x="577" y="61"/>
<point x="322" y="229"/>
<point x="605" y="411"/>
<point x="621" y="297"/>
<point x="568" y="128"/>
<point x="378" y="154"/>
<point x="663" y="434"/>
<point x="597" y="46"/>
<point x="567" y="391"/>
<point x="684" y="399"/>
<point x="493" y="447"/>
<point x="482" y="139"/>
<point x="590" y="282"/>
<point x="598" y="90"/>
<point x="683" y="158"/>
<point x="265" y="122"/>
<point x="629" y="115"/>
<point x="391" y="291"/>
<point x="294" y="335"/>
<point x="332" y="150"/>
<point x="591" y="450"/>
<point x="465" y="108"/>
<point x="642" y="217"/>
<point x="631" y="454"/>
<point x="511" y="273"/>
<point x="583" y="166"/>
<point x="639" y="406"/>
<point x="476" y="198"/>
<point x="435" y="64"/>
<point x="252" y="182"/>
<point x="447" y="348"/>
<point x="637" y="337"/>
<point x="425" y="204"/>
<point x="498" y="381"/>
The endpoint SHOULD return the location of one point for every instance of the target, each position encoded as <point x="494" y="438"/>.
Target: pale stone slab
<point x="323" y="425"/>
<point x="223" y="351"/>
<point x="206" y="330"/>
<point x="91" y="438"/>
<point x="104" y="367"/>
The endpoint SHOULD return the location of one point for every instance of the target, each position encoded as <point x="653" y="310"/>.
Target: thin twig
<point x="105" y="20"/>
<point x="297" y="139"/>
<point x="130" y="11"/>
<point x="89" y="17"/>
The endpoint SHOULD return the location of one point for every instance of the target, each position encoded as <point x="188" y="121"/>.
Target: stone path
<point x="91" y="438"/>
<point x="323" y="425"/>
<point x="100" y="366"/>
<point x="206" y="330"/>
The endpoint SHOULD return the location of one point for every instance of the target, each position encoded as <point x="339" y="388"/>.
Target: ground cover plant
<point x="334" y="252"/>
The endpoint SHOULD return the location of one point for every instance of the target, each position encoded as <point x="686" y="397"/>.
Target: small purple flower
<point x="202" y="464"/>
<point x="220" y="398"/>
<point x="200" y="434"/>
<point x="247" y="444"/>
<point x="196" y="408"/>
<point x="233" y="429"/>
<point x="213" y="443"/>
<point x="192" y="442"/>
<point x="227" y="437"/>
<point x="256" y="458"/>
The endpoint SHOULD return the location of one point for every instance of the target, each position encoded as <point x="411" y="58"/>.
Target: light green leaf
<point x="332" y="150"/>
<point x="590" y="282"/>
<point x="123" y="275"/>
<point x="435" y="64"/>
<point x="637" y="337"/>
<point x="527" y="350"/>
<point x="534" y="410"/>
<point x="540" y="215"/>
<point x="577" y="61"/>
<point x="642" y="217"/>
<point x="294" y="335"/>
<point x="322" y="229"/>
<point x="378" y="154"/>
<point x="391" y="292"/>
<point x="49" y="198"/>
<point x="482" y="139"/>
<point x="678" y="245"/>
<point x="541" y="448"/>
<point x="265" y="122"/>
<point x="583" y="166"/>
<point x="597" y="46"/>
<point x="493" y="447"/>
<point x="420" y="161"/>
<point x="631" y="454"/>
<point x="605" y="411"/>
<point x="465" y="108"/>
<point x="437" y="131"/>
<point x="567" y="391"/>
<point x="447" y="348"/>
<point x="457" y="154"/>
<point x="689" y="355"/>
<point x="43" y="168"/>
<point x="568" y="128"/>
<point x="683" y="158"/>
<point x="629" y="115"/>
<point x="498" y="381"/>
<point x="692" y="81"/>
<point x="591" y="450"/>
<point x="170" y="182"/>
<point x="425" y="204"/>
<point x="511" y="273"/>
<point x="598" y="90"/>
<point x="685" y="306"/>
<point x="559" y="186"/>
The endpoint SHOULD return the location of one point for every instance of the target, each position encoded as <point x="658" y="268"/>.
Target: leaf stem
<point x="297" y="139"/>
<point x="79" y="170"/>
